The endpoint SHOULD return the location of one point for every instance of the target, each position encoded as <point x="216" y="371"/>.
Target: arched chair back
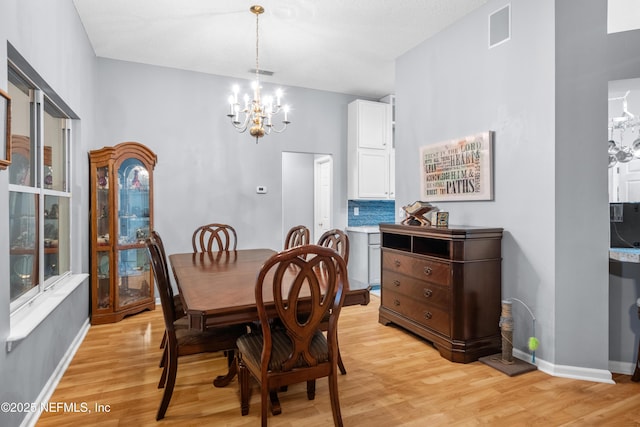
<point x="297" y="236"/>
<point x="336" y="240"/>
<point x="214" y="237"/>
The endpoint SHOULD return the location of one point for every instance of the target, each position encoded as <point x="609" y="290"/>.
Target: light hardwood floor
<point x="393" y="379"/>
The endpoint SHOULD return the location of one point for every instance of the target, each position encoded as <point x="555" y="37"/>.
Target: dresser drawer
<point x="425" y="314"/>
<point x="419" y="290"/>
<point x="421" y="269"/>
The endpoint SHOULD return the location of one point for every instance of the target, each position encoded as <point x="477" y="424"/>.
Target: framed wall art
<point x="5" y="129"/>
<point x="458" y="170"/>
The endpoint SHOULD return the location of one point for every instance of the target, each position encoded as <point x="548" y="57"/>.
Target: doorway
<point x="307" y="192"/>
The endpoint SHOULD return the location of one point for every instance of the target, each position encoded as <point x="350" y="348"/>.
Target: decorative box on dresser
<point x="444" y="284"/>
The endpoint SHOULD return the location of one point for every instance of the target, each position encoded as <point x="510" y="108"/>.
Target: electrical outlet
<point x="356" y="211"/>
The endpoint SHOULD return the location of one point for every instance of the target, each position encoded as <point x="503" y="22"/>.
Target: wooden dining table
<point x="218" y="289"/>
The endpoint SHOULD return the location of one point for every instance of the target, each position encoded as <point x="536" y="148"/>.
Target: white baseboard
<point x="47" y="391"/>
<point x="625" y="368"/>
<point x="573" y="372"/>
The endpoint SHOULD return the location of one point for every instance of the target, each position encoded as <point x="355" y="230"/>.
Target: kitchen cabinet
<point x="444" y="284"/>
<point x="121" y="205"/>
<point x="369" y="140"/>
<point x="364" y="254"/>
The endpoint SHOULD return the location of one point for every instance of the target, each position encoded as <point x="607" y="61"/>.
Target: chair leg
<point x="311" y="389"/>
<point x="343" y="370"/>
<point x="164" y="340"/>
<point x="264" y="403"/>
<point x="171" y="370"/>
<point x="163" y="358"/>
<point x="163" y="364"/>
<point x="335" y="400"/>
<point x="245" y="391"/>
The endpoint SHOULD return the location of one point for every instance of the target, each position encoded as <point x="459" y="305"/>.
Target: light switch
<point x="356" y="211"/>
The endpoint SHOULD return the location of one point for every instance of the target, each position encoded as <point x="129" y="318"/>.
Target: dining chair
<point x="297" y="236"/>
<point x="183" y="342"/>
<point x="306" y="282"/>
<point x="180" y="314"/>
<point x="214" y="237"/>
<point x="338" y="241"/>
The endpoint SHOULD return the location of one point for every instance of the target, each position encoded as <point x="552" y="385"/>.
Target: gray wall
<point x="207" y="171"/>
<point x="49" y="35"/>
<point x="451" y="86"/>
<point x="544" y="93"/>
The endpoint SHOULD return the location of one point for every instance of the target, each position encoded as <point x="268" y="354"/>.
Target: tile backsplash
<point x="371" y="212"/>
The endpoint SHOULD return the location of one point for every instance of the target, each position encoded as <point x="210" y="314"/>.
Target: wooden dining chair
<point x="297" y="236"/>
<point x="182" y="342"/>
<point x="214" y="237"/>
<point x="307" y="282"/>
<point x="338" y="241"/>
<point x="180" y="314"/>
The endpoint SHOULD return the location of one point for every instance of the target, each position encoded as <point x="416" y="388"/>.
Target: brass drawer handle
<point x="396" y="302"/>
<point x="396" y="282"/>
<point x="428" y="271"/>
<point x="427" y="315"/>
<point x="397" y="263"/>
<point x="428" y="293"/>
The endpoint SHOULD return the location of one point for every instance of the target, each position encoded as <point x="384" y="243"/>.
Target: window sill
<point x="27" y="318"/>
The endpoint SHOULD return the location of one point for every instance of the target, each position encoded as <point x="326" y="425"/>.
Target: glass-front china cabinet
<point x="121" y="218"/>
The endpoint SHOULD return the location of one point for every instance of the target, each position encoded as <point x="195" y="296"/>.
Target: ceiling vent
<point x="261" y="72"/>
<point x="500" y="26"/>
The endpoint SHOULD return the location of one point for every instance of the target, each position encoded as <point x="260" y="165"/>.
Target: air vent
<point x="500" y="26"/>
<point x="261" y="72"/>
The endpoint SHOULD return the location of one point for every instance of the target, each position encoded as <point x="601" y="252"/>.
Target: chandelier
<point x="618" y="152"/>
<point x="257" y="114"/>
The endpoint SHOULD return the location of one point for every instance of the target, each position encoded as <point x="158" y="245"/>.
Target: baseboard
<point x="47" y="391"/>
<point x="564" y="371"/>
<point x="625" y="368"/>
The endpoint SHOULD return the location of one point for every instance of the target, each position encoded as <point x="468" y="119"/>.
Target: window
<point x="39" y="190"/>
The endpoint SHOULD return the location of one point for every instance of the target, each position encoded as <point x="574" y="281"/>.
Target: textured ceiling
<point x="346" y="46"/>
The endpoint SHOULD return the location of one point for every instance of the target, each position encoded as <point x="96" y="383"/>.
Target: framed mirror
<point x="5" y="129"/>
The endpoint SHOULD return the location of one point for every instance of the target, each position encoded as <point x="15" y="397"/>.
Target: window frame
<point x="41" y="99"/>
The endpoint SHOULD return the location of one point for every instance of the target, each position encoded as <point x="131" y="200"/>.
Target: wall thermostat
<point x="261" y="189"/>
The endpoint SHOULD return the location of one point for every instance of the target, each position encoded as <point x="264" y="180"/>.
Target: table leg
<point x="276" y="409"/>
<point x="224" y="380"/>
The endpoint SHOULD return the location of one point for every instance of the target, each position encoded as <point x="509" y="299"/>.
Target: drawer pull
<point x="397" y="263"/>
<point x="396" y="282"/>
<point x="396" y="302"/>
<point x="427" y="315"/>
<point x="428" y="293"/>
<point x="428" y="271"/>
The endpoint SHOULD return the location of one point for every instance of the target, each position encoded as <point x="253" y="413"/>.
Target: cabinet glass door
<point x="133" y="228"/>
<point x="133" y="276"/>
<point x="102" y="206"/>
<point x="103" y="290"/>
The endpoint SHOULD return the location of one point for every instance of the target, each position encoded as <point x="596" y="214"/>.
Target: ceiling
<point x="346" y="46"/>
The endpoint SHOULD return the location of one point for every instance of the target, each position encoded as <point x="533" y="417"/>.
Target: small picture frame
<point x="5" y="129"/>
<point x="442" y="219"/>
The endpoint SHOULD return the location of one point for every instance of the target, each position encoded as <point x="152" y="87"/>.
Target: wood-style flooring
<point x="393" y="379"/>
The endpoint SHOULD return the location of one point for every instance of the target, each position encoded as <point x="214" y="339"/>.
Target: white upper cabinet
<point x="369" y="150"/>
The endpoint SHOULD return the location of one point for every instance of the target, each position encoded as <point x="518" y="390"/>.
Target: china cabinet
<point x="370" y="148"/>
<point x="121" y="217"/>
<point x="444" y="284"/>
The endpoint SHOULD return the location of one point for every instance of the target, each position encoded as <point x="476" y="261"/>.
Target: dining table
<point x="218" y="289"/>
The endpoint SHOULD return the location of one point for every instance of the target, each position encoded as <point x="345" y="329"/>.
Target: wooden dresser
<point x="444" y="284"/>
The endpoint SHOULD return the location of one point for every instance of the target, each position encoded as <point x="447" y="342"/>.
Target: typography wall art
<point x="457" y="170"/>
